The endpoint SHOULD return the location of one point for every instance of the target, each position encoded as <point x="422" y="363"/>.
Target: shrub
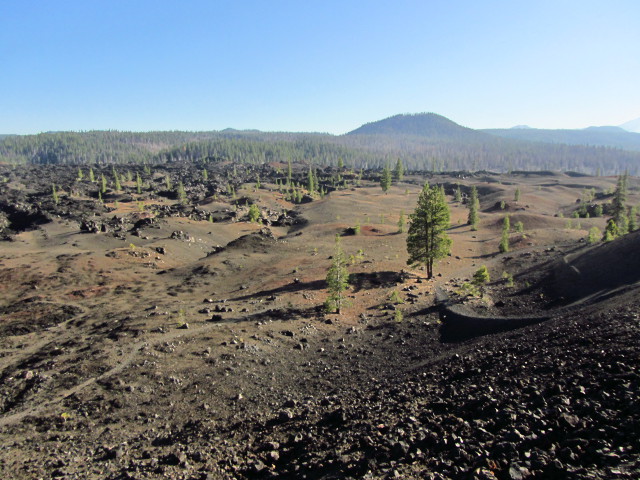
<point x="481" y="276"/>
<point x="395" y="297"/>
<point x="254" y="213"/>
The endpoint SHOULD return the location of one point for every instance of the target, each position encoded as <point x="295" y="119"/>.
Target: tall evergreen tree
<point x="457" y="194"/>
<point x="337" y="279"/>
<point x="474" y="204"/>
<point x="311" y="186"/>
<point x="181" y="194"/>
<point x="385" y="179"/>
<point x="398" y="171"/>
<point x="504" y="239"/>
<point x="427" y="240"/>
<point x="633" y="219"/>
<point x="116" y="179"/>
<point x="618" y="207"/>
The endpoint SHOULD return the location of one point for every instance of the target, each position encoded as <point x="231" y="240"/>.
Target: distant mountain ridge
<point x="614" y="137"/>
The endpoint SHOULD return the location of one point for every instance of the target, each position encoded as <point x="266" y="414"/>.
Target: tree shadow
<point x="368" y="280"/>
<point x="435" y="308"/>
<point x="456" y="227"/>
<point x="486" y="255"/>
<point x="289" y="288"/>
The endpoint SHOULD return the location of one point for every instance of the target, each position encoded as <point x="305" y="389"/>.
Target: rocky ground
<point x="203" y="352"/>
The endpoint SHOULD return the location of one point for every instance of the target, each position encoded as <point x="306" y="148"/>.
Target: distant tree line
<point x="355" y="151"/>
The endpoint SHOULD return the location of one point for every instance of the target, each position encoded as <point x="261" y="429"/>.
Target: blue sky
<point x="311" y="65"/>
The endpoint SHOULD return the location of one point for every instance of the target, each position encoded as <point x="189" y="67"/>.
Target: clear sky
<point x="308" y="65"/>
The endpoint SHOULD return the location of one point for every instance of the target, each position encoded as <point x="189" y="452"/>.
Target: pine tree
<point x="427" y="240"/>
<point x="337" y="279"/>
<point x="481" y="276"/>
<point x="633" y="219"/>
<point x="182" y="195"/>
<point x="103" y="183"/>
<point x="311" y="185"/>
<point x="597" y="211"/>
<point x="398" y="171"/>
<point x="618" y="208"/>
<point x="504" y="240"/>
<point x="54" y="193"/>
<point x="138" y="183"/>
<point x="340" y="163"/>
<point x="516" y="196"/>
<point x="80" y="174"/>
<point x="116" y="180"/>
<point x="401" y="222"/>
<point x="289" y="172"/>
<point x="457" y="194"/>
<point x="611" y="232"/>
<point x="474" y="203"/>
<point x="385" y="179"/>
<point x="92" y="177"/>
<point x="205" y="174"/>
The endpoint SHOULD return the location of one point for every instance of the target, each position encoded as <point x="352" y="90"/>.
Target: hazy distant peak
<point x="606" y="128"/>
<point x="632" y="126"/>
<point x="522" y="127"/>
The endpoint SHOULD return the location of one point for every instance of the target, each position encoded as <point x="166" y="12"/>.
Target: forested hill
<point x="426" y="125"/>
<point x="423" y="142"/>
<point x="614" y="137"/>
